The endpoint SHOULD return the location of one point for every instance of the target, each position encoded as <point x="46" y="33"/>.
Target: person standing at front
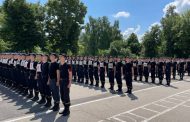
<point x="53" y="82"/>
<point x="65" y="84"/>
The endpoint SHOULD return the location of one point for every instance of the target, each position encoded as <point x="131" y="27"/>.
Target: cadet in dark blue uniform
<point x="40" y="82"/>
<point x="160" y="71"/>
<point x="23" y="81"/>
<point x="77" y="67"/>
<point x="32" y="73"/>
<point x="168" y="69"/>
<point x="90" y="71"/>
<point x="81" y="71"/>
<point x="45" y="70"/>
<point x="102" y="72"/>
<point x="129" y="75"/>
<point x="85" y="63"/>
<point x="174" y="68"/>
<point x="54" y="79"/>
<point x="153" y="70"/>
<point x="106" y="64"/>
<point x="65" y="84"/>
<point x="96" y="66"/>
<point x="33" y="81"/>
<point x="123" y="63"/>
<point x="188" y="67"/>
<point x="140" y="69"/>
<point x="118" y="74"/>
<point x="146" y="70"/>
<point x="74" y="69"/>
<point x="135" y="68"/>
<point x="181" y="69"/>
<point x="111" y="69"/>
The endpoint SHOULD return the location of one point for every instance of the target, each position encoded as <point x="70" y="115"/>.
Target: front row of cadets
<point x="31" y="74"/>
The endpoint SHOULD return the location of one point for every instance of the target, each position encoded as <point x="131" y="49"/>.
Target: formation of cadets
<point x="50" y="76"/>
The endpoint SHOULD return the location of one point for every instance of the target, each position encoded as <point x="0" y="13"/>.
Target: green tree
<point x="119" y="48"/>
<point x="100" y="33"/>
<point x="63" y="24"/>
<point x="39" y="14"/>
<point x="183" y="36"/>
<point x="134" y="44"/>
<point x="170" y="30"/>
<point x="152" y="42"/>
<point x="20" y="28"/>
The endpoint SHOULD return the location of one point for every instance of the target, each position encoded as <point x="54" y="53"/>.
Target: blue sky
<point x="134" y="15"/>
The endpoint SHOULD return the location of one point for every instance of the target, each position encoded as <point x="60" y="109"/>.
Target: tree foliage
<point x="152" y="42"/>
<point x="134" y="44"/>
<point x="99" y="34"/>
<point x="63" y="24"/>
<point x="20" y="28"/>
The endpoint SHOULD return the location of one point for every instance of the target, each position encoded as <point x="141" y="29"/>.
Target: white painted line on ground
<point x="182" y="96"/>
<point x="101" y="120"/>
<point x="160" y="105"/>
<point x="150" y="110"/>
<point x="175" y="99"/>
<point x="168" y="102"/>
<point x="187" y="93"/>
<point x="164" y="111"/>
<point x="120" y="120"/>
<point x="148" y="104"/>
<point x="185" y="106"/>
<point x="129" y="118"/>
<point x="42" y="113"/>
<point x="137" y="115"/>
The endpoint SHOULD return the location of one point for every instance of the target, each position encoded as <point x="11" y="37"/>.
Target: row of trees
<point x="28" y="27"/>
<point x="56" y="27"/>
<point x="102" y="38"/>
<point x="170" y="38"/>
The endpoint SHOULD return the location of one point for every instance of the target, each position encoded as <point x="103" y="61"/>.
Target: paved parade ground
<point x="149" y="102"/>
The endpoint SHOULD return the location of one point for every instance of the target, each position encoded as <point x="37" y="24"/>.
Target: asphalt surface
<point x="149" y="102"/>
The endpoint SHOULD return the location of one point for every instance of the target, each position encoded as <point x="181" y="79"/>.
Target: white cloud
<point x="122" y="14"/>
<point x="153" y="24"/>
<point x="181" y="6"/>
<point x="129" y="31"/>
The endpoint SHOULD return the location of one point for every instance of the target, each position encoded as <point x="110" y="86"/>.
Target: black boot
<point x="25" y="92"/>
<point x="48" y="103"/>
<point x="160" y="82"/>
<point x="168" y="83"/>
<point x="146" y="80"/>
<point x="66" y="111"/>
<point x="153" y="80"/>
<point x="129" y="91"/>
<point x="97" y="84"/>
<point x="86" y="82"/>
<point x="21" y="90"/>
<point x="55" y="107"/>
<point x="140" y="78"/>
<point x="35" y="98"/>
<point x="42" y="101"/>
<point x="82" y="81"/>
<point x="135" y="78"/>
<point x="92" y="83"/>
<point x="119" y="88"/>
<point x="111" y="88"/>
<point x="103" y="85"/>
<point x="30" y="94"/>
